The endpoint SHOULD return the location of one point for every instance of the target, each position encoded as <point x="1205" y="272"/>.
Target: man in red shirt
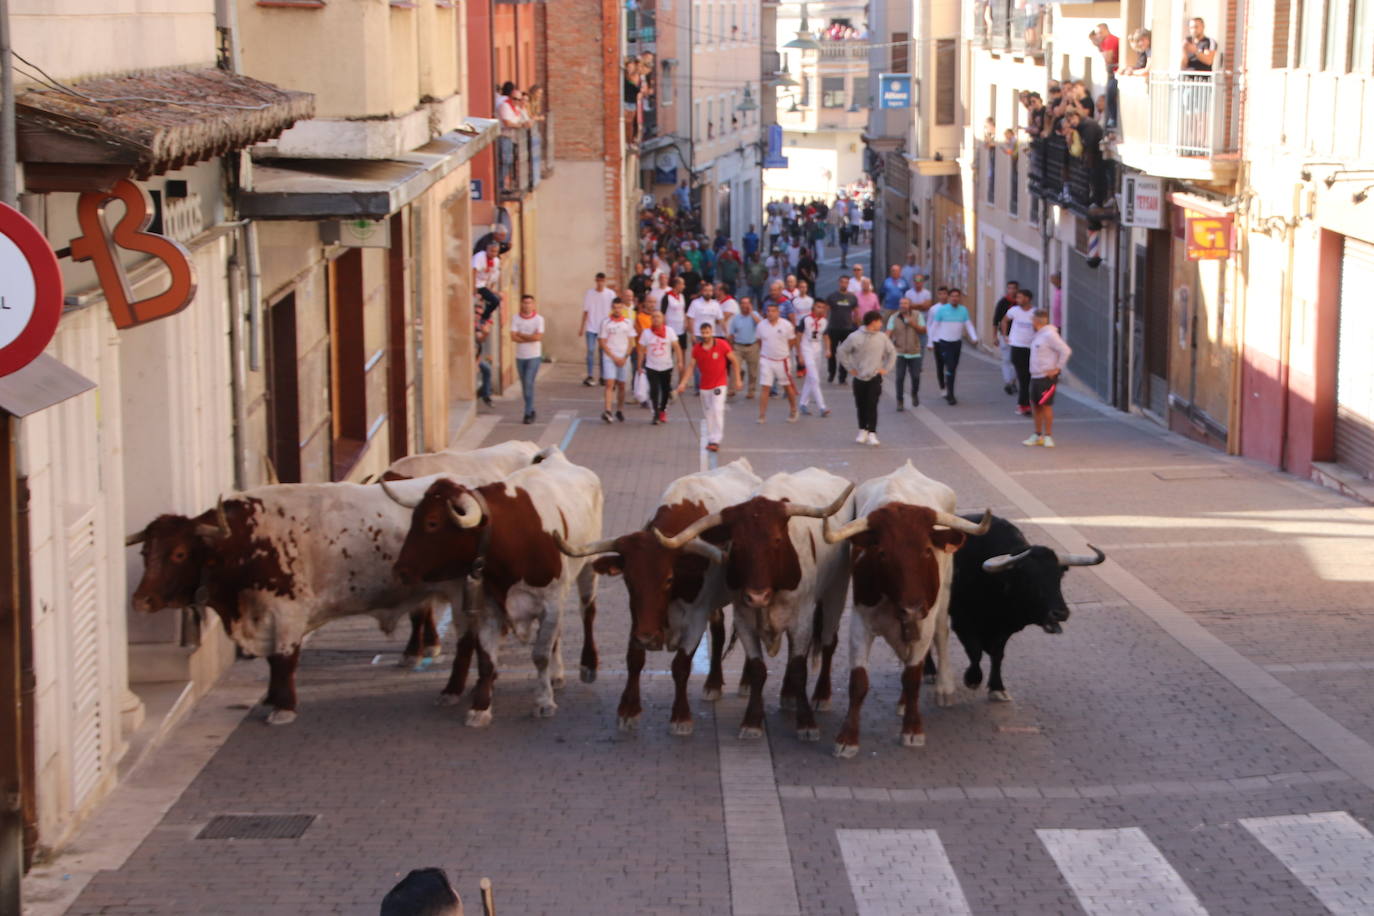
<point x="711" y="356"/>
<point x="1109" y="45"/>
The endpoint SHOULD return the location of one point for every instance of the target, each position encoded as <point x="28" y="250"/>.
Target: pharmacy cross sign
<point x="30" y="291"/>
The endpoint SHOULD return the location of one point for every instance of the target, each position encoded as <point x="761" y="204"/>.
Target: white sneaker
<point x="873" y="439"/>
<point x="1047" y="442"/>
<point x="862" y="437"/>
<point x="1034" y="440"/>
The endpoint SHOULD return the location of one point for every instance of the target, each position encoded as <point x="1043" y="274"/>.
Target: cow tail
<point x="730" y="643"/>
<point x="813" y="650"/>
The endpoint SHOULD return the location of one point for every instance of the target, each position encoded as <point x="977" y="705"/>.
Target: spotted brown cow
<point x="784" y="580"/>
<point x="503" y="534"/>
<point x="674" y="593"/>
<point x="903" y="539"/>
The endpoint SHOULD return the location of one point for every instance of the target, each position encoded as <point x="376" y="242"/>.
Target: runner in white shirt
<point x="616" y="337"/>
<point x="659" y="353"/>
<point x="729" y="305"/>
<point x="776" y="339"/>
<point x="802" y="303"/>
<point x="486" y="273"/>
<point x="674" y="308"/>
<point x="704" y="308"/>
<point x="596" y="308"/>
<point x="527" y="331"/>
<point x="1019" y="327"/>
<point x="813" y="348"/>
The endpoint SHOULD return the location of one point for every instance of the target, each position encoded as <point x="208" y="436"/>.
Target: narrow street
<point x="1197" y="740"/>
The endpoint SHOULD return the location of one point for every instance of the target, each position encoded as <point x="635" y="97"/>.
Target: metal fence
<point x="1192" y="114"/>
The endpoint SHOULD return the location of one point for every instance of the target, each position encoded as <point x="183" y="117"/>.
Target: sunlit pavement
<point x="1198" y="739"/>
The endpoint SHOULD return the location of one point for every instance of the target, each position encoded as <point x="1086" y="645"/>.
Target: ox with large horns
<point x="902" y="540"/>
<point x="784" y="579"/>
<point x="674" y="592"/>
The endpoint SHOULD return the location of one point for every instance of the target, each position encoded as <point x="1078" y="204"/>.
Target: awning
<point x="320" y="189"/>
<point x="136" y="126"/>
<point x="39" y="385"/>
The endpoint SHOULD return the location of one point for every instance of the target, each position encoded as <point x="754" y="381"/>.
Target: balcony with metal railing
<point x="1006" y="25"/>
<point x="1181" y="125"/>
<point x="844" y="49"/>
<point x="1078" y="183"/>
<point x="524" y="156"/>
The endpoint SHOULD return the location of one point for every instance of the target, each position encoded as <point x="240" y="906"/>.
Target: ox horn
<point x="1004" y="561"/>
<point x="271" y="470"/>
<point x="1082" y="559"/>
<point x="711" y="552"/>
<point x="396" y="497"/>
<point x="821" y="511"/>
<point x="858" y="526"/>
<point x="467" y="514"/>
<point x="585" y="550"/>
<point x="962" y="524"/>
<point x="686" y="535"/>
<point x="220" y="529"/>
<point x="136" y="538"/>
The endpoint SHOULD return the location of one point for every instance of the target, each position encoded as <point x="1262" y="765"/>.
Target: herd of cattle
<point x="499" y="535"/>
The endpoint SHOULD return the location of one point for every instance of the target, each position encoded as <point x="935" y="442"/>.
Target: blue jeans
<point x="593" y="351"/>
<point x="529" y="371"/>
<point x="483" y="379"/>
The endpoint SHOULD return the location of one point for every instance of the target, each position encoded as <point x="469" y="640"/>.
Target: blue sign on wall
<point x="894" y="90"/>
<point x="774" y="159"/>
<point x="476" y="186"/>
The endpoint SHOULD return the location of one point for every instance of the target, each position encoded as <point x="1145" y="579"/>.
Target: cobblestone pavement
<point x="1197" y="740"/>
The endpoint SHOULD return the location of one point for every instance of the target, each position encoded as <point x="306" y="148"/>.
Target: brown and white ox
<point x="503" y="534"/>
<point x="674" y="592"/>
<point x="784" y="580"/>
<point x="904" y="536"/>
<point x="479" y="466"/>
<point x="277" y="562"/>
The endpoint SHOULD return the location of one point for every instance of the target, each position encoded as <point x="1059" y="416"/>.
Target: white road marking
<point x="1193" y="545"/>
<point x="761" y="879"/>
<point x="1119" y="873"/>
<point x="1330" y="853"/>
<point x="899" y="872"/>
<point x="477" y="431"/>
<point x="1146" y="469"/>
<point x="558" y="427"/>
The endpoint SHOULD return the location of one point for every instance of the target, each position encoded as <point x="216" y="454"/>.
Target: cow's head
<point x="447" y="529"/>
<point x="1032" y="581"/>
<point x="761" y="559"/>
<point x="896" y="557"/>
<point x="655" y="577"/>
<point x="176" y="552"/>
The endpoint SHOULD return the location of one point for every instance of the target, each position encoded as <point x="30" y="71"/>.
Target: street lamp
<point x="804" y="40"/>
<point x="748" y="104"/>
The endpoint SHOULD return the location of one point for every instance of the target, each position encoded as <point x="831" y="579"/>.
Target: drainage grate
<point x="256" y="827"/>
<point x="1199" y="474"/>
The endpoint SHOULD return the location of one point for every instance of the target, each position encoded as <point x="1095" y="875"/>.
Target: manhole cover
<point x="256" y="827"/>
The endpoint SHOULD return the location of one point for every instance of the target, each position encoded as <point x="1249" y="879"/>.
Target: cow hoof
<point x="681" y="729"/>
<point x="751" y="731"/>
<point x="944" y="699"/>
<point x="821" y="705"/>
<point x="628" y="723"/>
<point x="588" y="675"/>
<point x="808" y="734"/>
<point x="711" y="694"/>
<point x="545" y="710"/>
<point x="913" y="740"/>
<point x="281" y="717"/>
<point x="449" y="699"/>
<point x="999" y="696"/>
<point x="557" y="682"/>
<point x="478" y="718"/>
<point x="787" y="704"/>
<point x="846" y="751"/>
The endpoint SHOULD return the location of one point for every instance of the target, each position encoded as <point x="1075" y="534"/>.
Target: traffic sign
<point x="30" y="291"/>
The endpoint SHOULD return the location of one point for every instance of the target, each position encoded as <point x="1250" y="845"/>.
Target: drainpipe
<point x="9" y="192"/>
<point x="1286" y="328"/>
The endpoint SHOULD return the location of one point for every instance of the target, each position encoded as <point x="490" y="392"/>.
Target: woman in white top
<point x="674" y="308"/>
<point x="527" y="332"/>
<point x="1019" y="327"/>
<point x="659" y="354"/>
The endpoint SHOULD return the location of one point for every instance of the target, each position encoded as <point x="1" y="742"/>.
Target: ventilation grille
<point x="256" y="827"/>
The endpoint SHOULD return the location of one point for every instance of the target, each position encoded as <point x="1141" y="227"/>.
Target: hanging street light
<point x="748" y="104"/>
<point x="804" y="41"/>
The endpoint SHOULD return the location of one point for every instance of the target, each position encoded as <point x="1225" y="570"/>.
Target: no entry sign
<point x="30" y="291"/>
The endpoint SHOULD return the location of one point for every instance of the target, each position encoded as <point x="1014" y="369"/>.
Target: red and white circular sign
<point x="30" y="291"/>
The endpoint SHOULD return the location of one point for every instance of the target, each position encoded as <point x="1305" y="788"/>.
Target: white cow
<point x="784" y="579"/>
<point x="904" y="537"/>
<point x="505" y="532"/>
<point x="674" y="593"/>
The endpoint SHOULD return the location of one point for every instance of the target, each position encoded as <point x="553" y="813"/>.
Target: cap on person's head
<point x="423" y="892"/>
<point x="873" y="317"/>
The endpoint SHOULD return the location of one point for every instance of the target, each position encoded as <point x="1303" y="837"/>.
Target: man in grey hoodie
<point x="868" y="356"/>
<point x="1048" y="354"/>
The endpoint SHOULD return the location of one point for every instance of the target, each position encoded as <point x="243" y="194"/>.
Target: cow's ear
<point x="947" y="539"/>
<point x="609" y="564"/>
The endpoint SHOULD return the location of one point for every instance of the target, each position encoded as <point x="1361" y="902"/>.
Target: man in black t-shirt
<point x="998" y="313"/>
<point x="1199" y="51"/>
<point x="842" y="304"/>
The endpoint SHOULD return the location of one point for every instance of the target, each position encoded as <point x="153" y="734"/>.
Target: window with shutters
<point x="1014" y="185"/>
<point x="1283" y="21"/>
<point x="832" y="92"/>
<point x="861" y="91"/>
<point x="900" y="52"/>
<point x="992" y="175"/>
<point x="946" y="80"/>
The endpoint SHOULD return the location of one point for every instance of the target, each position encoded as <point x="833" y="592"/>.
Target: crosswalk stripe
<point x="1119" y="873"/>
<point x="900" y="872"/>
<point x="1329" y="852"/>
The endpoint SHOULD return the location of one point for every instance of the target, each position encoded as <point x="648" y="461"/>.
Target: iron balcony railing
<point x="1190" y="114"/>
<point x="1067" y="180"/>
<point x="521" y="159"/>
<point x="844" y="49"/>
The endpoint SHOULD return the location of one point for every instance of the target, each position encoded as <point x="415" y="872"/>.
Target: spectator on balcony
<point x="1199" y="51"/>
<point x="504" y="92"/>
<point x="1084" y="136"/>
<point x="486" y="276"/>
<point x="1140" y="42"/>
<point x="631" y="100"/>
<point x="1108" y="44"/>
<point x="498" y="234"/>
<point x="508" y="107"/>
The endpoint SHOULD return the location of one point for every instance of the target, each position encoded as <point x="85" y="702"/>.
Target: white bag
<point x="641" y="387"/>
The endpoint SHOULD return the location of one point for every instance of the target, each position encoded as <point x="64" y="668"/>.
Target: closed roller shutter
<point x="1354" y="368"/>
<point x="1024" y="270"/>
<point x="1088" y="320"/>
